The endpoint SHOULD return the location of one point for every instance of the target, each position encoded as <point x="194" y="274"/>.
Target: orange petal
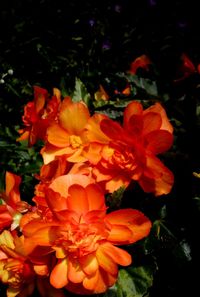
<point x="89" y="264"/>
<point x="92" y="130"/>
<point x="41" y="270"/>
<point x="73" y="116"/>
<point x="140" y="62"/>
<point x="5" y="217"/>
<point x="62" y="183"/>
<point x="151" y="121"/>
<point x="135" y="124"/>
<point x="157" y="107"/>
<point x="118" y="255"/>
<point x="55" y="201"/>
<point x="132" y="219"/>
<point x="106" y="278"/>
<point x="12" y="188"/>
<point x="77" y="156"/>
<point x="133" y="108"/>
<point x="92" y="152"/>
<point x="112" y="129"/>
<point x="34" y="225"/>
<point x="49" y="152"/>
<point x="159" y="141"/>
<point x="77" y="199"/>
<point x="90" y="281"/>
<point x="75" y="272"/>
<point x="116" y="182"/>
<point x="57" y="136"/>
<point x="120" y="234"/>
<point x="39" y="97"/>
<point x="42" y="237"/>
<point x="106" y="262"/>
<point x="58" y="277"/>
<point x="24" y="134"/>
<point x="157" y="178"/>
<point x="95" y="197"/>
<point x="7" y="239"/>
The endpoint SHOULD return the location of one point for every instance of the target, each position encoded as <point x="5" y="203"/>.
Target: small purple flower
<point x="182" y="25"/>
<point x="91" y="22"/>
<point x="152" y="2"/>
<point x="117" y="8"/>
<point x="106" y="45"/>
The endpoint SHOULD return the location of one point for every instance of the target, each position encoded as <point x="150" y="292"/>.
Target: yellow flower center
<point x="75" y="141"/>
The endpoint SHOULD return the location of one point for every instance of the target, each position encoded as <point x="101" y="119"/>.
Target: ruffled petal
<point x="58" y="277"/>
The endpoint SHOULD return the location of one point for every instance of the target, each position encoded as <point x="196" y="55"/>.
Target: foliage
<point x="74" y="47"/>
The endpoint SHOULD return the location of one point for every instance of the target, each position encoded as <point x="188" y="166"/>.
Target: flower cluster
<point x="68" y="239"/>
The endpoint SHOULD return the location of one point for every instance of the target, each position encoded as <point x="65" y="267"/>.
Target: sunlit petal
<point x="73" y="116"/>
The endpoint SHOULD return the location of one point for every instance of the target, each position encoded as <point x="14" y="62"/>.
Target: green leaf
<point x="80" y="92"/>
<point x="114" y="199"/>
<point x="134" y="281"/>
<point x="183" y="251"/>
<point x="145" y="84"/>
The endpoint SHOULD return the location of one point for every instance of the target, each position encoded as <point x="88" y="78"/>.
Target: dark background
<point x="49" y="43"/>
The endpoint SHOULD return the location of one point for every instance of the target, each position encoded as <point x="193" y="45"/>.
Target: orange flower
<point x="5" y="217"/>
<point x="17" y="271"/>
<point x="140" y="62"/>
<point x="101" y="94"/>
<point x="186" y="68"/>
<point x="38" y="114"/>
<point x="82" y="236"/>
<point x="12" y="208"/>
<point x="131" y="151"/>
<point x="67" y="136"/>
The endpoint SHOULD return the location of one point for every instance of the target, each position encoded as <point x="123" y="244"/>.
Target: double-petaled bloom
<point x="18" y="273"/>
<point x="38" y="114"/>
<point x="66" y="137"/>
<point x="129" y="152"/>
<point x="15" y="270"/>
<point x="81" y="236"/>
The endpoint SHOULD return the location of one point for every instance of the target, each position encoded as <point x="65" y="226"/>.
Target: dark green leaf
<point x="134" y="281"/>
<point x="80" y="92"/>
